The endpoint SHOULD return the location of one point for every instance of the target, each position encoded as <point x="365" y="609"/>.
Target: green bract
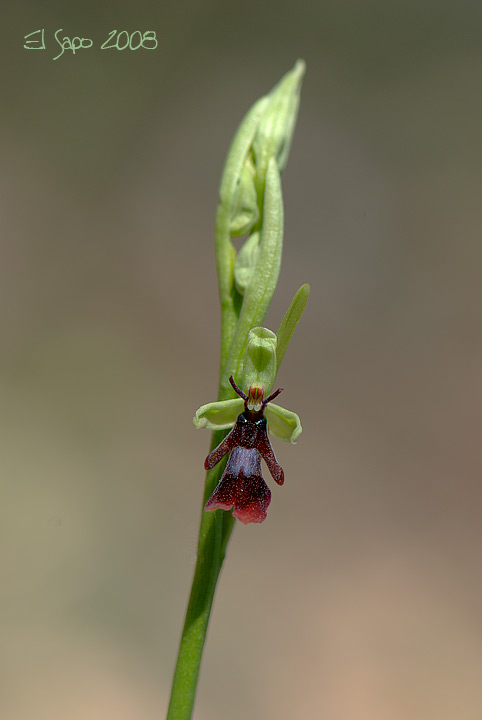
<point x="290" y="321"/>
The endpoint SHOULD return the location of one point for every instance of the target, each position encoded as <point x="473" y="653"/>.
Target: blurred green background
<point x="361" y="595"/>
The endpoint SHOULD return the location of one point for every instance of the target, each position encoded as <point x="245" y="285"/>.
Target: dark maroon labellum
<point x="242" y="486"/>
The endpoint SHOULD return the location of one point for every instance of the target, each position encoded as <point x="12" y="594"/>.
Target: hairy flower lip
<point x="242" y="488"/>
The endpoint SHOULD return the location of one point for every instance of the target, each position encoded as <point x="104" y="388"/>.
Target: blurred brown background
<point x="361" y="595"/>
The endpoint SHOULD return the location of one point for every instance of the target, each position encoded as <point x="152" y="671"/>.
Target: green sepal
<point x="218" y="415"/>
<point x="260" y="359"/>
<point x="284" y="424"/>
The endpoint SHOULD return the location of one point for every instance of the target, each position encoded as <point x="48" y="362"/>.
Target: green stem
<point x="210" y="553"/>
<point x="197" y="619"/>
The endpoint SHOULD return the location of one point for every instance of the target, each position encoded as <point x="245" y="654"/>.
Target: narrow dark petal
<point x="253" y="498"/>
<point x="236" y="389"/>
<point x="272" y="396"/>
